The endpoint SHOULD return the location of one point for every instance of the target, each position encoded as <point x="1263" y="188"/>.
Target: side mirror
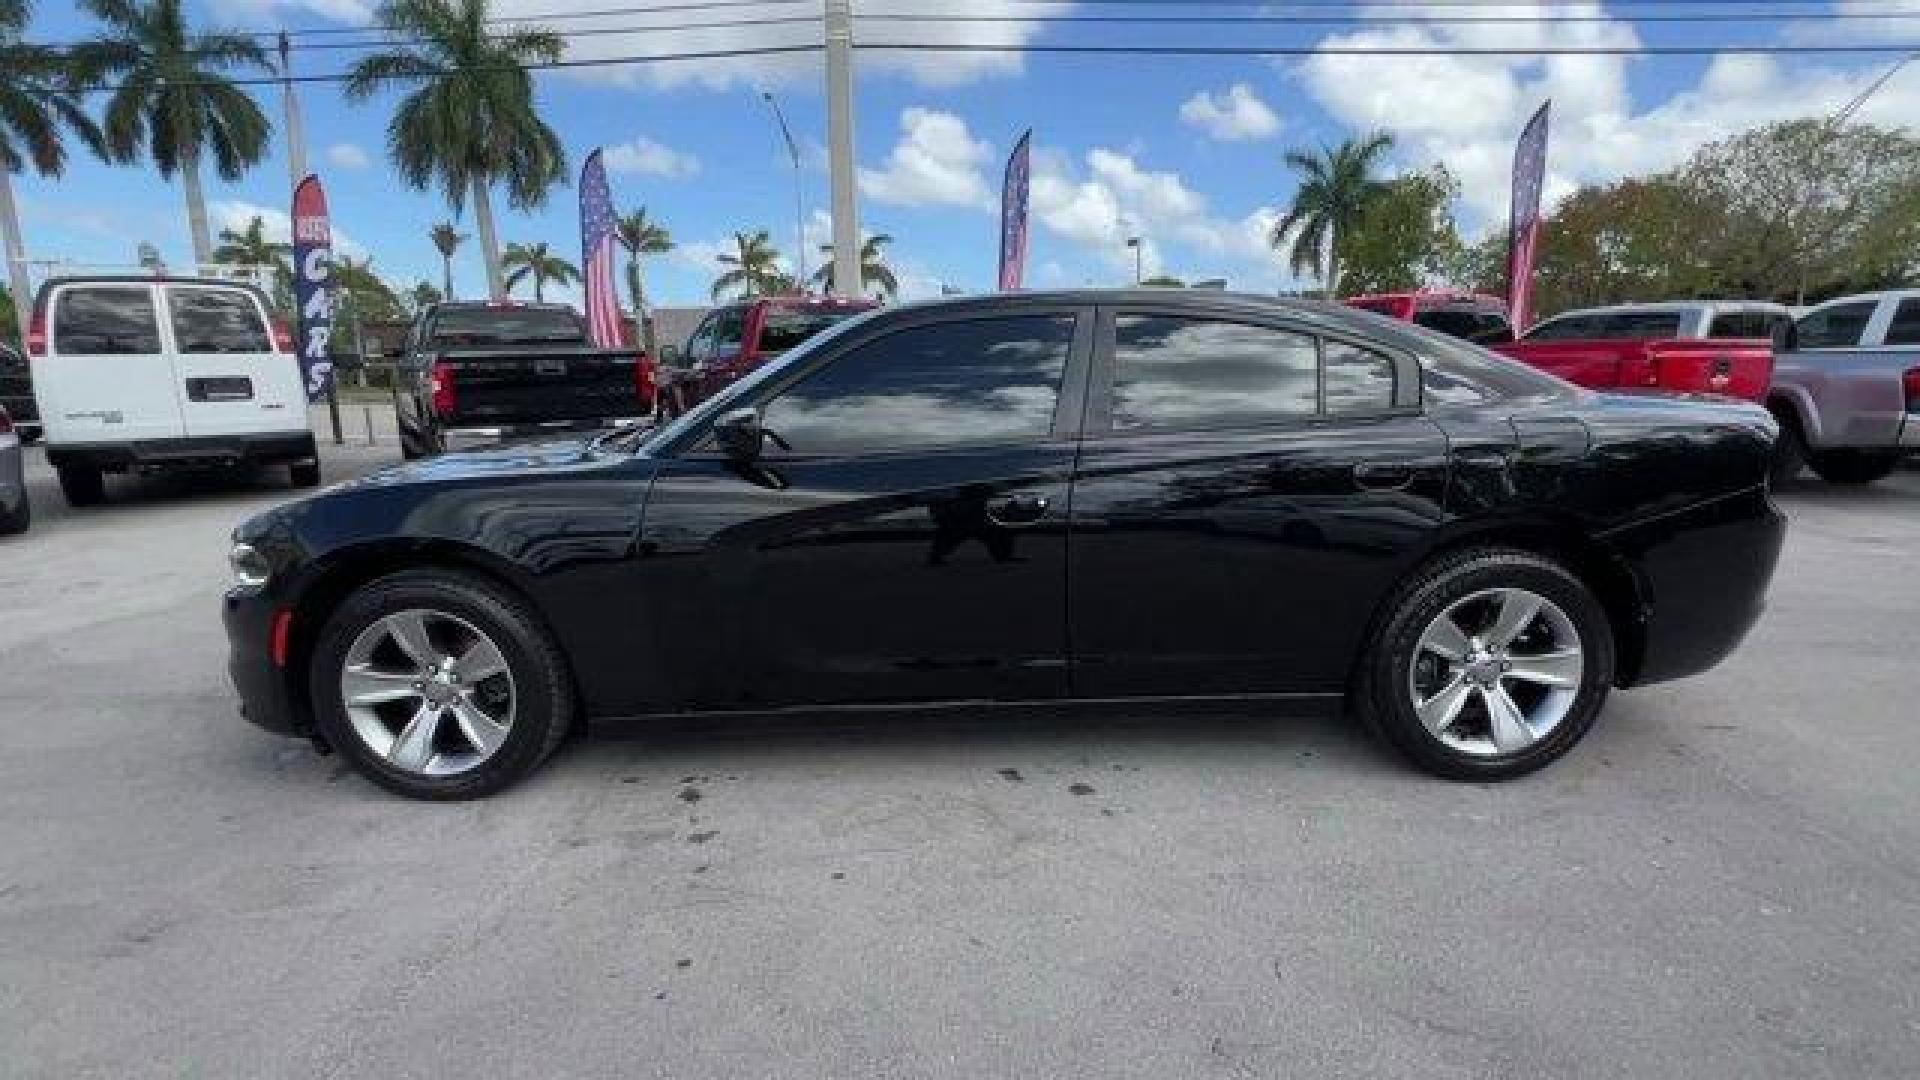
<point x="739" y="434"/>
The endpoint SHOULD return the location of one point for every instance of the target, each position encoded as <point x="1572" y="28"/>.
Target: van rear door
<point x="106" y="376"/>
<point x="231" y="379"/>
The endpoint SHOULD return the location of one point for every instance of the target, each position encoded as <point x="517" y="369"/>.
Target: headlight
<point x="250" y="568"/>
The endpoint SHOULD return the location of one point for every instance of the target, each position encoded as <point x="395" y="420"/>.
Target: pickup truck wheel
<point x="438" y="685"/>
<point x="1789" y="452"/>
<point x="82" y="486"/>
<point x="1490" y="663"/>
<point x="409" y="446"/>
<point x="304" y="474"/>
<point x="1852" y="467"/>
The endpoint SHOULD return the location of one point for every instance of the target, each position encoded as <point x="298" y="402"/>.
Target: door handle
<point x="1018" y="511"/>
<point x="1383" y="476"/>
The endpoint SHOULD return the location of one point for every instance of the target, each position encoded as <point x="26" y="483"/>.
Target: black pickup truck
<point x="510" y="366"/>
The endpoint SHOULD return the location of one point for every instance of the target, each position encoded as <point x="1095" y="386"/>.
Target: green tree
<point x="538" y="262"/>
<point x="172" y="100"/>
<point x="468" y="120"/>
<point x="1405" y="235"/>
<point x="250" y="247"/>
<point x="40" y="101"/>
<point x="1336" y="184"/>
<point x="755" y="266"/>
<point x="641" y="235"/>
<point x="1163" y="281"/>
<point x="873" y="267"/>
<point x="362" y="295"/>
<point x="9" y="319"/>
<point x="447" y="240"/>
<point x="422" y="296"/>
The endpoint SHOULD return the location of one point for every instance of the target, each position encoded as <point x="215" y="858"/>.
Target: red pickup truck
<point x="1701" y="347"/>
<point x="734" y="339"/>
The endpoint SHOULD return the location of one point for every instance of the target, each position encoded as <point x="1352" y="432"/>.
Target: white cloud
<point x="650" y="158"/>
<point x="347" y="156"/>
<point x="937" y="162"/>
<point x="255" y="12"/>
<point x="1235" y="115"/>
<point x="238" y="214"/>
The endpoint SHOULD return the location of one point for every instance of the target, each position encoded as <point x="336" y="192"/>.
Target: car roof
<point x="52" y="283"/>
<point x="1876" y="297"/>
<point x="1680" y="305"/>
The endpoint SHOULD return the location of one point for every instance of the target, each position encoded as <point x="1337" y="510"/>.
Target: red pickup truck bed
<point x="1732" y="367"/>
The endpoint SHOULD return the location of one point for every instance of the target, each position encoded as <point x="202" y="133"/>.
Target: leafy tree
<point x="468" y="121"/>
<point x="447" y="240"/>
<point x="1164" y="281"/>
<point x="9" y="318"/>
<point x="40" y="101"/>
<point x="1404" y="236"/>
<point x="422" y="296"/>
<point x="539" y="263"/>
<point x="641" y="235"/>
<point x="755" y="266"/>
<point x="873" y="267"/>
<point x="1336" y="184"/>
<point x="362" y="294"/>
<point x="250" y="247"/>
<point x="172" y="100"/>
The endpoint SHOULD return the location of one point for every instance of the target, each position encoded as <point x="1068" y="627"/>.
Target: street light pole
<point x="799" y="194"/>
<point x="1134" y="243"/>
<point x="838" y="18"/>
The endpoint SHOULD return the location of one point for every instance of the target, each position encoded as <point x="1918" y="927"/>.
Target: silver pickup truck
<point x="1847" y="391"/>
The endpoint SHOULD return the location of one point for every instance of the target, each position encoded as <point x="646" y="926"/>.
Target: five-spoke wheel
<point x="1496" y="671"/>
<point x="428" y="691"/>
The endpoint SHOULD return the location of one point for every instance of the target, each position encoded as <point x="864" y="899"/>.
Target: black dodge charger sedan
<point x="1098" y="496"/>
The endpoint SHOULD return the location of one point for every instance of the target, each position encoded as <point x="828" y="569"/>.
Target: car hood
<point x="517" y="459"/>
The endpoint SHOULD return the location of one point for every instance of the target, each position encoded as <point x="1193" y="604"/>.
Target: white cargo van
<point x="142" y="373"/>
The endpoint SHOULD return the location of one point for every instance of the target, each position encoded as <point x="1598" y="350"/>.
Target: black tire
<point x="409" y="443"/>
<point x="1852" y="467"/>
<point x="28" y="435"/>
<point x="81" y="485"/>
<point x="17" y="520"/>
<point x="543" y="688"/>
<point x="1789" y="450"/>
<point x="1382" y="691"/>
<point x="304" y="474"/>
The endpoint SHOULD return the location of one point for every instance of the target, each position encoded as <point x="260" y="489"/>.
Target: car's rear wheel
<point x="1852" y="466"/>
<point x="1489" y="664"/>
<point x="82" y="485"/>
<point x="437" y="685"/>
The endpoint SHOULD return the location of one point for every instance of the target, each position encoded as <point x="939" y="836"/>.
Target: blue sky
<point x="1185" y="151"/>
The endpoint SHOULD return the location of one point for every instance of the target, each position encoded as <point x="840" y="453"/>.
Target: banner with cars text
<point x="1013" y="216"/>
<point x="1523" y="240"/>
<point x="313" y="286"/>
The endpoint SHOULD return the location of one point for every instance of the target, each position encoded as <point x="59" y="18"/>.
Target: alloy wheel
<point x="1496" y="672"/>
<point x="428" y="692"/>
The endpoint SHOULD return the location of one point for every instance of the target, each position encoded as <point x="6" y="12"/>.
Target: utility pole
<point x="799" y="195"/>
<point x="1134" y="243"/>
<point x="846" y="227"/>
<point x="296" y="139"/>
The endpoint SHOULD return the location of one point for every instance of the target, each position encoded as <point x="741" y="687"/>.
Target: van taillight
<point x="282" y="337"/>
<point x="37" y="332"/>
<point x="441" y="379"/>
<point x="6" y="422"/>
<point x="1910" y="382"/>
<point x="644" y="384"/>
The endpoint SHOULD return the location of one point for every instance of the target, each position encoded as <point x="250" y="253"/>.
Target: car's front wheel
<point x="438" y="685"/>
<point x="1489" y="664"/>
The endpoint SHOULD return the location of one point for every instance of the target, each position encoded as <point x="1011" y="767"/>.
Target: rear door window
<point x="1838" y="327"/>
<point x="217" y="321"/>
<point x="1174" y="371"/>
<point x="1641" y="326"/>
<point x="1564" y="328"/>
<point x="97" y="320"/>
<point x="1905" y="327"/>
<point x="1357" y="380"/>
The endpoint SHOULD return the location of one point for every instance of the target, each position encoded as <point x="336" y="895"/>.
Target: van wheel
<point x="81" y="485"/>
<point x="18" y="519"/>
<point x="305" y="474"/>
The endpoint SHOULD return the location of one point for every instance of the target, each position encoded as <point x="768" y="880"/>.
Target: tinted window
<point x="977" y="381"/>
<point x="495" y="327"/>
<point x="1905" y="327"/>
<point x="787" y="327"/>
<point x="1564" y="328"/>
<point x="1171" y="371"/>
<point x="701" y="343"/>
<point x="728" y="326"/>
<point x="1838" y="327"/>
<point x="1641" y="325"/>
<point x="1466" y="324"/>
<point x="1739" y="324"/>
<point x="106" y="320"/>
<point x="217" y="321"/>
<point x="1358" y="380"/>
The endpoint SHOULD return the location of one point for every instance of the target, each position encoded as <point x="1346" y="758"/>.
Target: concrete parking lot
<point x="1724" y="880"/>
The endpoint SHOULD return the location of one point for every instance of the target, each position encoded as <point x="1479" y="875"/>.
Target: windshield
<point x="694" y="418"/>
<point x="486" y="327"/>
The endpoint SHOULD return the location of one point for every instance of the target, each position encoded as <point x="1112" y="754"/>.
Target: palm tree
<point x="172" y="100"/>
<point x="468" y="121"/>
<point x="447" y="240"/>
<point x="641" y="236"/>
<point x="423" y="296"/>
<point x="538" y="262"/>
<point x="1335" y="187"/>
<point x="754" y="266"/>
<point x="39" y="95"/>
<point x="250" y="247"/>
<point x="873" y="267"/>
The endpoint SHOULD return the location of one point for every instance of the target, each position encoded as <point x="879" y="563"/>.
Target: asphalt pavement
<point x="1722" y="881"/>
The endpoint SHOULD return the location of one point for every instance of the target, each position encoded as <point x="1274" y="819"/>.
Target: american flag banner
<point x="1013" y="216"/>
<point x="1529" y="175"/>
<point x="597" y="243"/>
